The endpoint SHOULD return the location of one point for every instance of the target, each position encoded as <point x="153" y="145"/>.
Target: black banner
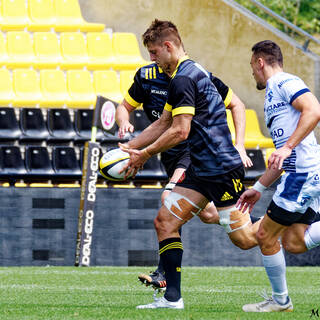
<point x="87" y="202"/>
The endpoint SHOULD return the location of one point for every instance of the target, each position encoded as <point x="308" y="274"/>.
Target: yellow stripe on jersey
<point x="168" y="107"/>
<point x="146" y="74"/>
<point x="154" y="73"/>
<point x="228" y="98"/>
<point x="183" y="110"/>
<point x="184" y="58"/>
<point x="131" y="101"/>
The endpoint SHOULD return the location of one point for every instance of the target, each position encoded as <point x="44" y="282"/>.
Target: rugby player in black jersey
<point x="195" y="111"/>
<point x="150" y="88"/>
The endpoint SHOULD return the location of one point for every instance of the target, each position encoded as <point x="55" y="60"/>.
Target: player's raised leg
<point x="180" y="206"/>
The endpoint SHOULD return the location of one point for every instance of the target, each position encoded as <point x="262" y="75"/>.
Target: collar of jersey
<point x="184" y="58"/>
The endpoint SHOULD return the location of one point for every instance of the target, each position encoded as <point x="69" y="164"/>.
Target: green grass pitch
<point x="113" y="293"/>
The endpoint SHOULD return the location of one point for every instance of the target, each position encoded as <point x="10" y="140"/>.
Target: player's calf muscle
<point x="244" y="238"/>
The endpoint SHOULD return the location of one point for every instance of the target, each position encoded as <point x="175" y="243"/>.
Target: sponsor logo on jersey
<point x="226" y="196"/>
<point x="160" y="92"/>
<point x="281" y="83"/>
<point x="270" y="95"/>
<point x="156" y="114"/>
<point x="277" y="133"/>
<point x="276" y="107"/>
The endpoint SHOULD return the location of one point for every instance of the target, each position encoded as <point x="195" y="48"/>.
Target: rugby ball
<point x="112" y="162"/>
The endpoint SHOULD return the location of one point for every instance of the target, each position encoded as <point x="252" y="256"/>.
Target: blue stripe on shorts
<point x="293" y="185"/>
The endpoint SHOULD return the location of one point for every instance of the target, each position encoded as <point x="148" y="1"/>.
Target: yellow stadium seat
<point x="107" y="84"/>
<point x="3" y="50"/>
<point x="253" y="135"/>
<point x="26" y="87"/>
<point x="100" y="50"/>
<point x="69" y="17"/>
<point x="54" y="88"/>
<point x="126" y="80"/>
<point x="6" y="88"/>
<point x="20" y="49"/>
<point x="80" y="88"/>
<point x="14" y="15"/>
<point x="127" y="52"/>
<point x="73" y="49"/>
<point x="47" y="50"/>
<point x="42" y="15"/>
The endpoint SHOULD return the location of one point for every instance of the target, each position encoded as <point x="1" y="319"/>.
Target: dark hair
<point x="160" y="31"/>
<point x="270" y="51"/>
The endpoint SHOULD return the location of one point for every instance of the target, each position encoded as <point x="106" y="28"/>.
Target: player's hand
<point x="276" y="159"/>
<point x="248" y="199"/>
<point x="136" y="162"/>
<point x="243" y="155"/>
<point x="124" y="128"/>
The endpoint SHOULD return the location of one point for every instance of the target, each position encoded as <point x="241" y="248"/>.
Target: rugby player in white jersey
<point x="291" y="114"/>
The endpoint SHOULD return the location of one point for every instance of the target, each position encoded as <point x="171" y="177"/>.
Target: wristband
<point x="259" y="187"/>
<point x="170" y="186"/>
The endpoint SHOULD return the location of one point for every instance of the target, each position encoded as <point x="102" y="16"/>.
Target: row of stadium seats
<point x="55" y="124"/>
<point x="61" y="15"/>
<point x="95" y="50"/>
<point x="52" y="126"/>
<point x="57" y="163"/>
<point x="65" y="126"/>
<point x="55" y="88"/>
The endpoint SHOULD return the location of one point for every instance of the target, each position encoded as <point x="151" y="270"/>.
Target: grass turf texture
<point x="113" y="293"/>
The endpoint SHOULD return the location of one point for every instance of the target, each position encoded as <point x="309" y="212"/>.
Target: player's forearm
<point x="168" y="140"/>
<point x="239" y="119"/>
<point x="309" y="107"/>
<point x="148" y="135"/>
<point x="270" y="176"/>
<point x="306" y="124"/>
<point x="122" y="115"/>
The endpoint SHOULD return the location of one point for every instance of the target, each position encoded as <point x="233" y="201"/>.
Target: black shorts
<point x="287" y="218"/>
<point x="224" y="190"/>
<point x="171" y="163"/>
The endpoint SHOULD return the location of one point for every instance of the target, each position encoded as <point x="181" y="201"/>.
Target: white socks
<point x="312" y="235"/>
<point x="275" y="266"/>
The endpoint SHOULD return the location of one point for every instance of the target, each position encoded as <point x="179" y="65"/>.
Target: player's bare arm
<point x="150" y="134"/>
<point x="177" y="132"/>
<point x="309" y="107"/>
<point x="249" y="198"/>
<point x="238" y="112"/>
<point x="122" y="118"/>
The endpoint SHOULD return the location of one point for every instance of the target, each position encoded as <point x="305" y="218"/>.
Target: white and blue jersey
<point x="300" y="185"/>
<point x="282" y="118"/>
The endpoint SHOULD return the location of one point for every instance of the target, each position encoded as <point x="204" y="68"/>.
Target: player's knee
<point x="265" y="242"/>
<point x="159" y="222"/>
<point x="209" y="217"/>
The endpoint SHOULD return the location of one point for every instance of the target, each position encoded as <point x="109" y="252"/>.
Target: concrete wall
<point x="216" y="33"/>
<point x="38" y="227"/>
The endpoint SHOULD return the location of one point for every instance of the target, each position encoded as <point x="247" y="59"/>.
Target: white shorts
<point x="298" y="191"/>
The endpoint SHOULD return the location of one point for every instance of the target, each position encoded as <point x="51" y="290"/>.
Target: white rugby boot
<point x="163" y="303"/>
<point x="268" y="305"/>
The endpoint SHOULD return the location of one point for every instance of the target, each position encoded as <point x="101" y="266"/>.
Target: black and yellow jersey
<point x="150" y="88"/>
<point x="191" y="91"/>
